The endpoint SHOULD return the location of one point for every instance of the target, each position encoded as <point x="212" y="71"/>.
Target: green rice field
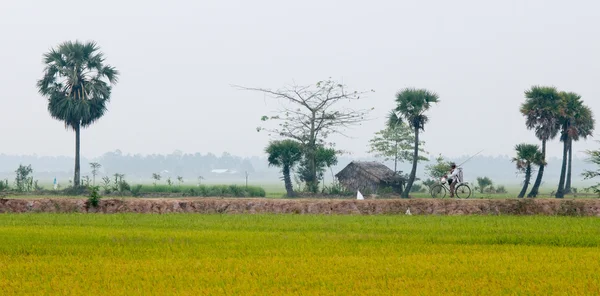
<point x="187" y="254"/>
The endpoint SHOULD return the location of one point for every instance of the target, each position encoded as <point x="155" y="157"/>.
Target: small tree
<point x="594" y="157"/>
<point x="24" y="180"/>
<point x="169" y="182"/>
<point x="528" y="155"/>
<point x="324" y="158"/>
<point x="311" y="114"/>
<point x="156" y="178"/>
<point x="95" y="168"/>
<point x="179" y="180"/>
<point x="395" y="142"/>
<point x="439" y="169"/>
<point x="285" y="154"/>
<point x="200" y="178"/>
<point x="483" y="183"/>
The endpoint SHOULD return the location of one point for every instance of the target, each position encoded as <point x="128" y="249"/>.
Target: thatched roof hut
<point x="370" y="177"/>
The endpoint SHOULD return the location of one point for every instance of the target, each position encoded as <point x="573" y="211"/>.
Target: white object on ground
<point x="359" y="196"/>
<point x="408" y="212"/>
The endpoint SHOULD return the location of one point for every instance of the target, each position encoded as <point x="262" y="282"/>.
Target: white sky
<point x="179" y="58"/>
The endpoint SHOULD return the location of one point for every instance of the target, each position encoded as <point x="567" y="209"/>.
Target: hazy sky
<point x="179" y="58"/>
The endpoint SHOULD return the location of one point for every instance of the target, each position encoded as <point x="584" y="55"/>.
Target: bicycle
<point x="462" y="190"/>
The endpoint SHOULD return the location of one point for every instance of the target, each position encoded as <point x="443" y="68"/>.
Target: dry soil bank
<point x="569" y="207"/>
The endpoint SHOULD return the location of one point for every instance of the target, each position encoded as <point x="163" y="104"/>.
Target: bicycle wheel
<point x="438" y="191"/>
<point x="463" y="191"/>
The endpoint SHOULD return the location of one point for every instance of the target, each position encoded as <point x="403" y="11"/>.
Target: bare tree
<point x="312" y="114"/>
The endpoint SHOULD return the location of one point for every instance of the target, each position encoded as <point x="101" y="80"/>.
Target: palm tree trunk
<point x="560" y="192"/>
<point x="538" y="180"/>
<point x="568" y="181"/>
<point x="527" y="179"/>
<point x="288" y="181"/>
<point x="76" y="177"/>
<point x="413" y="172"/>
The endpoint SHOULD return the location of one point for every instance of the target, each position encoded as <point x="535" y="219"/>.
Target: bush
<point x="124" y="186"/>
<point x="501" y="189"/>
<point x="135" y="190"/>
<point x="225" y="191"/>
<point x="428" y="183"/>
<point x="4" y="185"/>
<point x="94" y="198"/>
<point x="336" y="189"/>
<point x="74" y="191"/>
<point x="417" y="188"/>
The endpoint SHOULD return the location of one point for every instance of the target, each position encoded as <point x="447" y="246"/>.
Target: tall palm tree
<point x="541" y="111"/>
<point x="570" y="106"/>
<point x="411" y="106"/>
<point x="527" y="156"/>
<point x="583" y="127"/>
<point x="285" y="154"/>
<point x="77" y="84"/>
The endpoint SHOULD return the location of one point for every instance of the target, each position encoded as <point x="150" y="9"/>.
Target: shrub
<point x="417" y="188"/>
<point x="106" y="184"/>
<point x="428" y="183"/>
<point x="4" y="185"/>
<point x="225" y="191"/>
<point x="501" y="189"/>
<point x="135" y="190"/>
<point x="124" y="186"/>
<point x="94" y="198"/>
<point x="336" y="189"/>
<point x="74" y="191"/>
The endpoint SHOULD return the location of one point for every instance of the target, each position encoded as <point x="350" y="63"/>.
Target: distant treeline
<point x="191" y="166"/>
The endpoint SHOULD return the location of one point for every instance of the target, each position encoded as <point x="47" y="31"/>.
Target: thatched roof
<point x="371" y="170"/>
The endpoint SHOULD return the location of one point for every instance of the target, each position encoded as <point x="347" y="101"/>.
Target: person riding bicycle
<point x="453" y="178"/>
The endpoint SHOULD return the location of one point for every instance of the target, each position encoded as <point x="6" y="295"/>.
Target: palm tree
<point x="77" y="84"/>
<point x="527" y="156"/>
<point x="583" y="127"/>
<point x="570" y="106"/>
<point x="285" y="154"/>
<point x="411" y="106"/>
<point x="541" y="111"/>
<point x="95" y="168"/>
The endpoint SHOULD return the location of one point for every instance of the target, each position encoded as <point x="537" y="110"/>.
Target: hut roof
<point x="370" y="169"/>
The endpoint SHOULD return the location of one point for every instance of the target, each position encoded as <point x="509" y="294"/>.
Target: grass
<point x="206" y="190"/>
<point x="130" y="254"/>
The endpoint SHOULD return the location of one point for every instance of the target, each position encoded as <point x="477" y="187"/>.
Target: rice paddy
<point x="137" y="254"/>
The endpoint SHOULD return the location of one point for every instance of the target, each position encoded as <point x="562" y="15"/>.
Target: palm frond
<point x="413" y="103"/>
<point x="77" y="83"/>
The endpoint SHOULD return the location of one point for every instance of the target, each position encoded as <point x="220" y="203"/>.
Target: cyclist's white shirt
<point x="454" y="175"/>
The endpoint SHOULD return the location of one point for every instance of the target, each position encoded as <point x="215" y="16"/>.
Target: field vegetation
<point x="129" y="254"/>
